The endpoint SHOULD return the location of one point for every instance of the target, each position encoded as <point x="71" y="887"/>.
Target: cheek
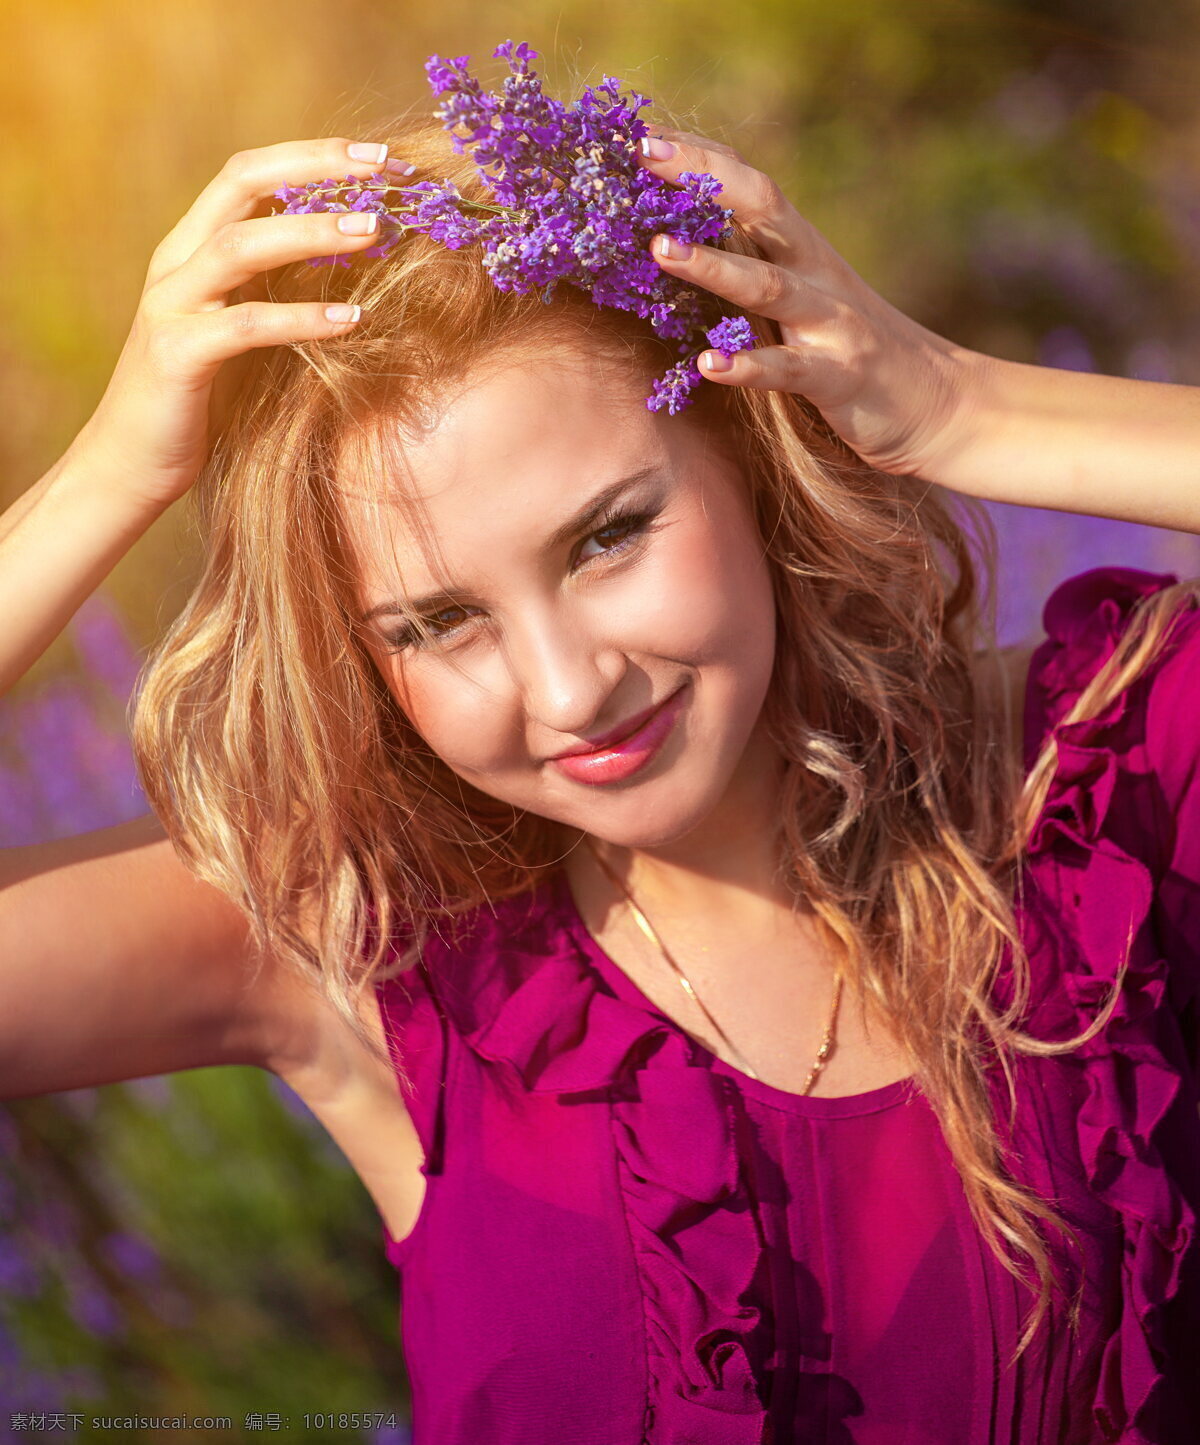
<point x="716" y="587"/>
<point x="465" y="725"/>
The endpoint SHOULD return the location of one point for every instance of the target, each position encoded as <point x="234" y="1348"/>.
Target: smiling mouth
<point x="607" y="741"/>
<point x="623" y="758"/>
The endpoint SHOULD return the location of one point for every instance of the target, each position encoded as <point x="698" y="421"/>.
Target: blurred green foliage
<point x="191" y="1245"/>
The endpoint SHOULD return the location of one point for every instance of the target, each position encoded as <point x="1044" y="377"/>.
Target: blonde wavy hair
<point x="286" y="774"/>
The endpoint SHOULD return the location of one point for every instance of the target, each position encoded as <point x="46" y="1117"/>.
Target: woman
<point x="607" y="821"/>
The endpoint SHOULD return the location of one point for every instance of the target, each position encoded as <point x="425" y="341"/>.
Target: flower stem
<point x="340" y="190"/>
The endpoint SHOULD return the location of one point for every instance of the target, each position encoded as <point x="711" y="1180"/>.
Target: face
<point x="584" y="566"/>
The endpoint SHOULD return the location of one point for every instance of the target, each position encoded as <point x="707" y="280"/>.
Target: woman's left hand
<point x="893" y="391"/>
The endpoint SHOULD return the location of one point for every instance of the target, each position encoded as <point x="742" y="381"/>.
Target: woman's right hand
<point x="203" y="306"/>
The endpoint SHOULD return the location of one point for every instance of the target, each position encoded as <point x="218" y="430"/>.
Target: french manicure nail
<point x="357" y="223"/>
<point x="674" y="250"/>
<point x="716" y="361"/>
<point x="656" y="149"/>
<point x="399" y="168"/>
<point x="362" y="151"/>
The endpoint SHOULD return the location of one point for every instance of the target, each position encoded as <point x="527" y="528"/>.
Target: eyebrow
<point x="590" y="513"/>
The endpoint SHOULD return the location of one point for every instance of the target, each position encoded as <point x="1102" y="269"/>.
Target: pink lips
<point x="616" y="761"/>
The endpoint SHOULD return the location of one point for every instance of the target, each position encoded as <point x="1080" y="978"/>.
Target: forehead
<point x="516" y="448"/>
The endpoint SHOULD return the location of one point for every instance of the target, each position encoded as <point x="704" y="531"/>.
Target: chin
<point x="655" y="815"/>
<point x="645" y="839"/>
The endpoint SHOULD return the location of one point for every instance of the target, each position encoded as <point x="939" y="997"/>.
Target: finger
<point x="187" y="350"/>
<point x="805" y="370"/>
<point x="241" y="251"/>
<point x="251" y="177"/>
<point x="697" y="142"/>
<point x="754" y="285"/>
<point x="758" y="204"/>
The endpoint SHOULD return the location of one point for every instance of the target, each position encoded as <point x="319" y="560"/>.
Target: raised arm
<point x="914" y="404"/>
<point x="115" y="962"/>
<point x="1072" y="441"/>
<point x="58" y="542"/>
<point x="201" y="308"/>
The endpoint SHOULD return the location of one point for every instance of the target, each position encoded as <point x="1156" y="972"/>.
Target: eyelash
<point x="634" y="525"/>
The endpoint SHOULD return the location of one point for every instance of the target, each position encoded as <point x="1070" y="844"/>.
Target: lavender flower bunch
<point x="569" y="203"/>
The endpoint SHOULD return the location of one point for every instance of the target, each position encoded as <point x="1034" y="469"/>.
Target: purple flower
<point x="673" y="391"/>
<point x="348" y="195"/>
<point x="1066" y="348"/>
<point x="153" y="1092"/>
<point x="104" y="647"/>
<point x="133" y="1256"/>
<point x="76" y="771"/>
<point x="391" y="1435"/>
<point x="10" y="1351"/>
<point x="569" y="203"/>
<point x="28" y="1389"/>
<point x="91" y="1306"/>
<point x="19" y="1274"/>
<point x="20" y="806"/>
<point x="82" y="1103"/>
<point x="446" y="74"/>
<point x="732" y="334"/>
<point x="518" y="56"/>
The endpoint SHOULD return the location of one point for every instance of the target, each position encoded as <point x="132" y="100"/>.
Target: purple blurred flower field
<point x="65" y="762"/>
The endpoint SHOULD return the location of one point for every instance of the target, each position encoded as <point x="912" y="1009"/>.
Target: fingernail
<point x="342" y="314"/>
<point x="399" y="168"/>
<point x="716" y="361"/>
<point x="362" y="151"/>
<point x="358" y="223"/>
<point x="656" y="149"/>
<point x="674" y="250"/>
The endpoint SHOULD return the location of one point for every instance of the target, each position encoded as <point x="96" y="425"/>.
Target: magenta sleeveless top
<point x="626" y="1240"/>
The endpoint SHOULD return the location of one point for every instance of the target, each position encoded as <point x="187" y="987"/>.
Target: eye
<point x="619" y="532"/>
<point x="434" y="627"/>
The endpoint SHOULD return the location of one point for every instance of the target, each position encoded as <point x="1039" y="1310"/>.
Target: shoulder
<point x="1086" y="619"/>
<point x="1130" y="758"/>
<point x="1173" y="706"/>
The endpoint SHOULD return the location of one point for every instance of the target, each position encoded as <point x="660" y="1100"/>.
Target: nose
<point x="565" y="668"/>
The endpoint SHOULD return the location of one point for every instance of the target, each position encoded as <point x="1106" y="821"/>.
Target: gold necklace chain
<point x="647" y="928"/>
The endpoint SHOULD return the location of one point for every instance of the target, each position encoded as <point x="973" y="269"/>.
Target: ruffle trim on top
<point x="697" y="1240"/>
<point x="1102" y="894"/>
